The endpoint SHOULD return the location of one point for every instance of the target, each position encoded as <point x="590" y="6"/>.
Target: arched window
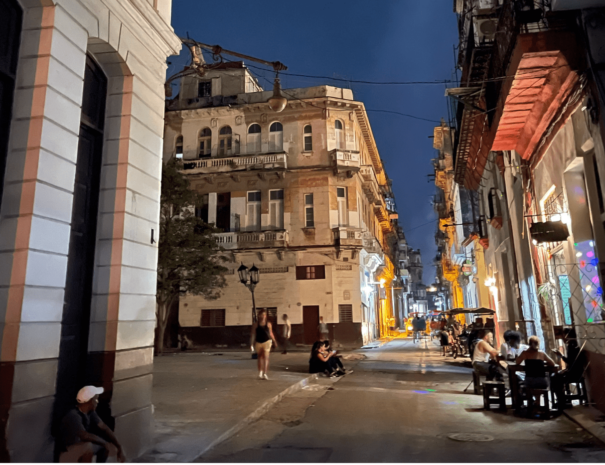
<point x="340" y="134"/>
<point x="308" y="138"/>
<point x="253" y="139"/>
<point x="276" y="137"/>
<point x="205" y="141"/>
<point x="179" y="147"/>
<point x="225" y="141"/>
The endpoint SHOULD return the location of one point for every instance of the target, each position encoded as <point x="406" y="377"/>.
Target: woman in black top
<point x="260" y="341"/>
<point x="320" y="362"/>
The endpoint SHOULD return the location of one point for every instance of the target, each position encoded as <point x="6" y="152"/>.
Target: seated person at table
<point x="511" y="348"/>
<point x="485" y="357"/>
<point x="534" y="353"/>
<point x="574" y="367"/>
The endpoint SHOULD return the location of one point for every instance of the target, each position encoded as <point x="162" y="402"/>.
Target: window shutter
<point x="301" y="272"/>
<point x="213" y="318"/>
<point x="320" y="272"/>
<point x="345" y="313"/>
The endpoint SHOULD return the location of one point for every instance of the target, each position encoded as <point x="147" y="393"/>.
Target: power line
<point x="419" y="226"/>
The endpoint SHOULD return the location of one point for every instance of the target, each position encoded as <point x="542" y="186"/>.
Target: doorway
<point x="73" y="351"/>
<point x="10" y="34"/>
<point x="223" y="211"/>
<point x="310" y="323"/>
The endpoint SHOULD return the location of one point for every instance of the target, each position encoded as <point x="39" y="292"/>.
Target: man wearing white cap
<point x="84" y="434"/>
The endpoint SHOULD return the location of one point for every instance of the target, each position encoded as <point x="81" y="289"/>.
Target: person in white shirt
<point x="286" y="332"/>
<point x="485" y="357"/>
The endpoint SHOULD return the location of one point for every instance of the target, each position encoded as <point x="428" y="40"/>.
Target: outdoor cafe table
<point x="513" y="369"/>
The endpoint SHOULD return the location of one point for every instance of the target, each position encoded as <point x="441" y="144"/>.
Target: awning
<point x="542" y="84"/>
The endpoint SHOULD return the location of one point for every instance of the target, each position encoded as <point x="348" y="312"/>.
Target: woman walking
<point x="261" y="339"/>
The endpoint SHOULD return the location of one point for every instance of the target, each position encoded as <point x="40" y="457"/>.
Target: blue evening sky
<point x="371" y="40"/>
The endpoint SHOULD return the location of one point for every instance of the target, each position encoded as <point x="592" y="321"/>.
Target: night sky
<point x="378" y="40"/>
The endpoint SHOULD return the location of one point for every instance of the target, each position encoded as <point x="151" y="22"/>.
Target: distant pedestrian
<point x="261" y="339"/>
<point x="323" y="329"/>
<point x="444" y="337"/>
<point x="286" y="332"/>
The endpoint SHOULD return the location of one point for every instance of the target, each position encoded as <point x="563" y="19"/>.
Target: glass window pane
<point x="277" y="195"/>
<point x="307" y="129"/>
<point x="340" y="191"/>
<point x="338" y="124"/>
<point x="276" y="127"/>
<point x="309" y="199"/>
<point x="225" y="130"/>
<point x="308" y="143"/>
<point x="254" y="129"/>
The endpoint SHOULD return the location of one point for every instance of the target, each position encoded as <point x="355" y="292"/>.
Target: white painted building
<point x="82" y="124"/>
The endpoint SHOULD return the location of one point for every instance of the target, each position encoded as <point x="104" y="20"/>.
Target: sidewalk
<point x="202" y="398"/>
<point x="589" y="418"/>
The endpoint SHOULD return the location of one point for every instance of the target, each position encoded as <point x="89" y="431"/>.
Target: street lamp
<point x="249" y="278"/>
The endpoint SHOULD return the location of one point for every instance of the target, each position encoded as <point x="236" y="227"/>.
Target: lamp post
<point x="250" y="278"/>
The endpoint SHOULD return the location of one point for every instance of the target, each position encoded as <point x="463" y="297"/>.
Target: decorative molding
<point x="214" y="122"/>
<point x="344" y="267"/>
<point x="275" y="269"/>
<point x="263" y="118"/>
<point x="239" y="120"/>
<point x="261" y="256"/>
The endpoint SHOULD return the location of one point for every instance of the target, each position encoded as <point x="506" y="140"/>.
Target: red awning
<point x="542" y="83"/>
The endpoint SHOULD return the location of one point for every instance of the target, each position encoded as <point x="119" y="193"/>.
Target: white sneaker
<point x="260" y="375"/>
<point x="265" y="376"/>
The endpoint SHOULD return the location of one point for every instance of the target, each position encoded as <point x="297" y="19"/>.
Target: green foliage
<point x="189" y="260"/>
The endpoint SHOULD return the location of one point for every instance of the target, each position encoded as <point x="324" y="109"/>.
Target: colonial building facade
<point x="80" y="154"/>
<point x="302" y="194"/>
<point x="529" y="143"/>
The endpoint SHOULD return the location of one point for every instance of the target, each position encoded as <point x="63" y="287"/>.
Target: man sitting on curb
<point x="83" y="433"/>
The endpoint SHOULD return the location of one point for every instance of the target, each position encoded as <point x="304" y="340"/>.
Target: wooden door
<point x="73" y="351"/>
<point x="310" y="323"/>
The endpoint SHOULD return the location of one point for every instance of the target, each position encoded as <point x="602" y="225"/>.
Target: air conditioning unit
<point x="485" y="29"/>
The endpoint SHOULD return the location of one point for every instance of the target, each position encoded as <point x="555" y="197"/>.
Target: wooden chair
<point x="581" y="393"/>
<point x="537" y="399"/>
<point x="489" y="399"/>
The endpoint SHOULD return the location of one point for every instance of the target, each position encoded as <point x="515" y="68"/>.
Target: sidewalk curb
<point x="259" y="412"/>
<point x="582" y="419"/>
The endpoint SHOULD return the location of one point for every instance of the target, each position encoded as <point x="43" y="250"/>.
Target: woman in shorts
<point x="261" y="340"/>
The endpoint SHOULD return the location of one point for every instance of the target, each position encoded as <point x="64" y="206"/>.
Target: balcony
<point x="271" y="161"/>
<point x="345" y="236"/>
<point x="371" y="245"/>
<point x="370" y="183"/>
<point x="345" y="161"/>
<point x="252" y="239"/>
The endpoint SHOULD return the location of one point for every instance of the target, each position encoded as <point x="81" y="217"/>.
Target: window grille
<point x="213" y="318"/>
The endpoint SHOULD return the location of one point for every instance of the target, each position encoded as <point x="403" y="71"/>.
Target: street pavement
<point x="403" y="403"/>
<point x="199" y="398"/>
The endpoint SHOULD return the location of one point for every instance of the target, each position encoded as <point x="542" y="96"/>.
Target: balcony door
<point x="343" y="211"/>
<point x="223" y="211"/>
<point x="276" y="209"/>
<point x="253" y="211"/>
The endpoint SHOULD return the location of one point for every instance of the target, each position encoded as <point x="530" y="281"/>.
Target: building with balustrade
<point x="302" y="194"/>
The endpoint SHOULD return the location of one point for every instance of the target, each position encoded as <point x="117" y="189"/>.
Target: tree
<point x="189" y="259"/>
